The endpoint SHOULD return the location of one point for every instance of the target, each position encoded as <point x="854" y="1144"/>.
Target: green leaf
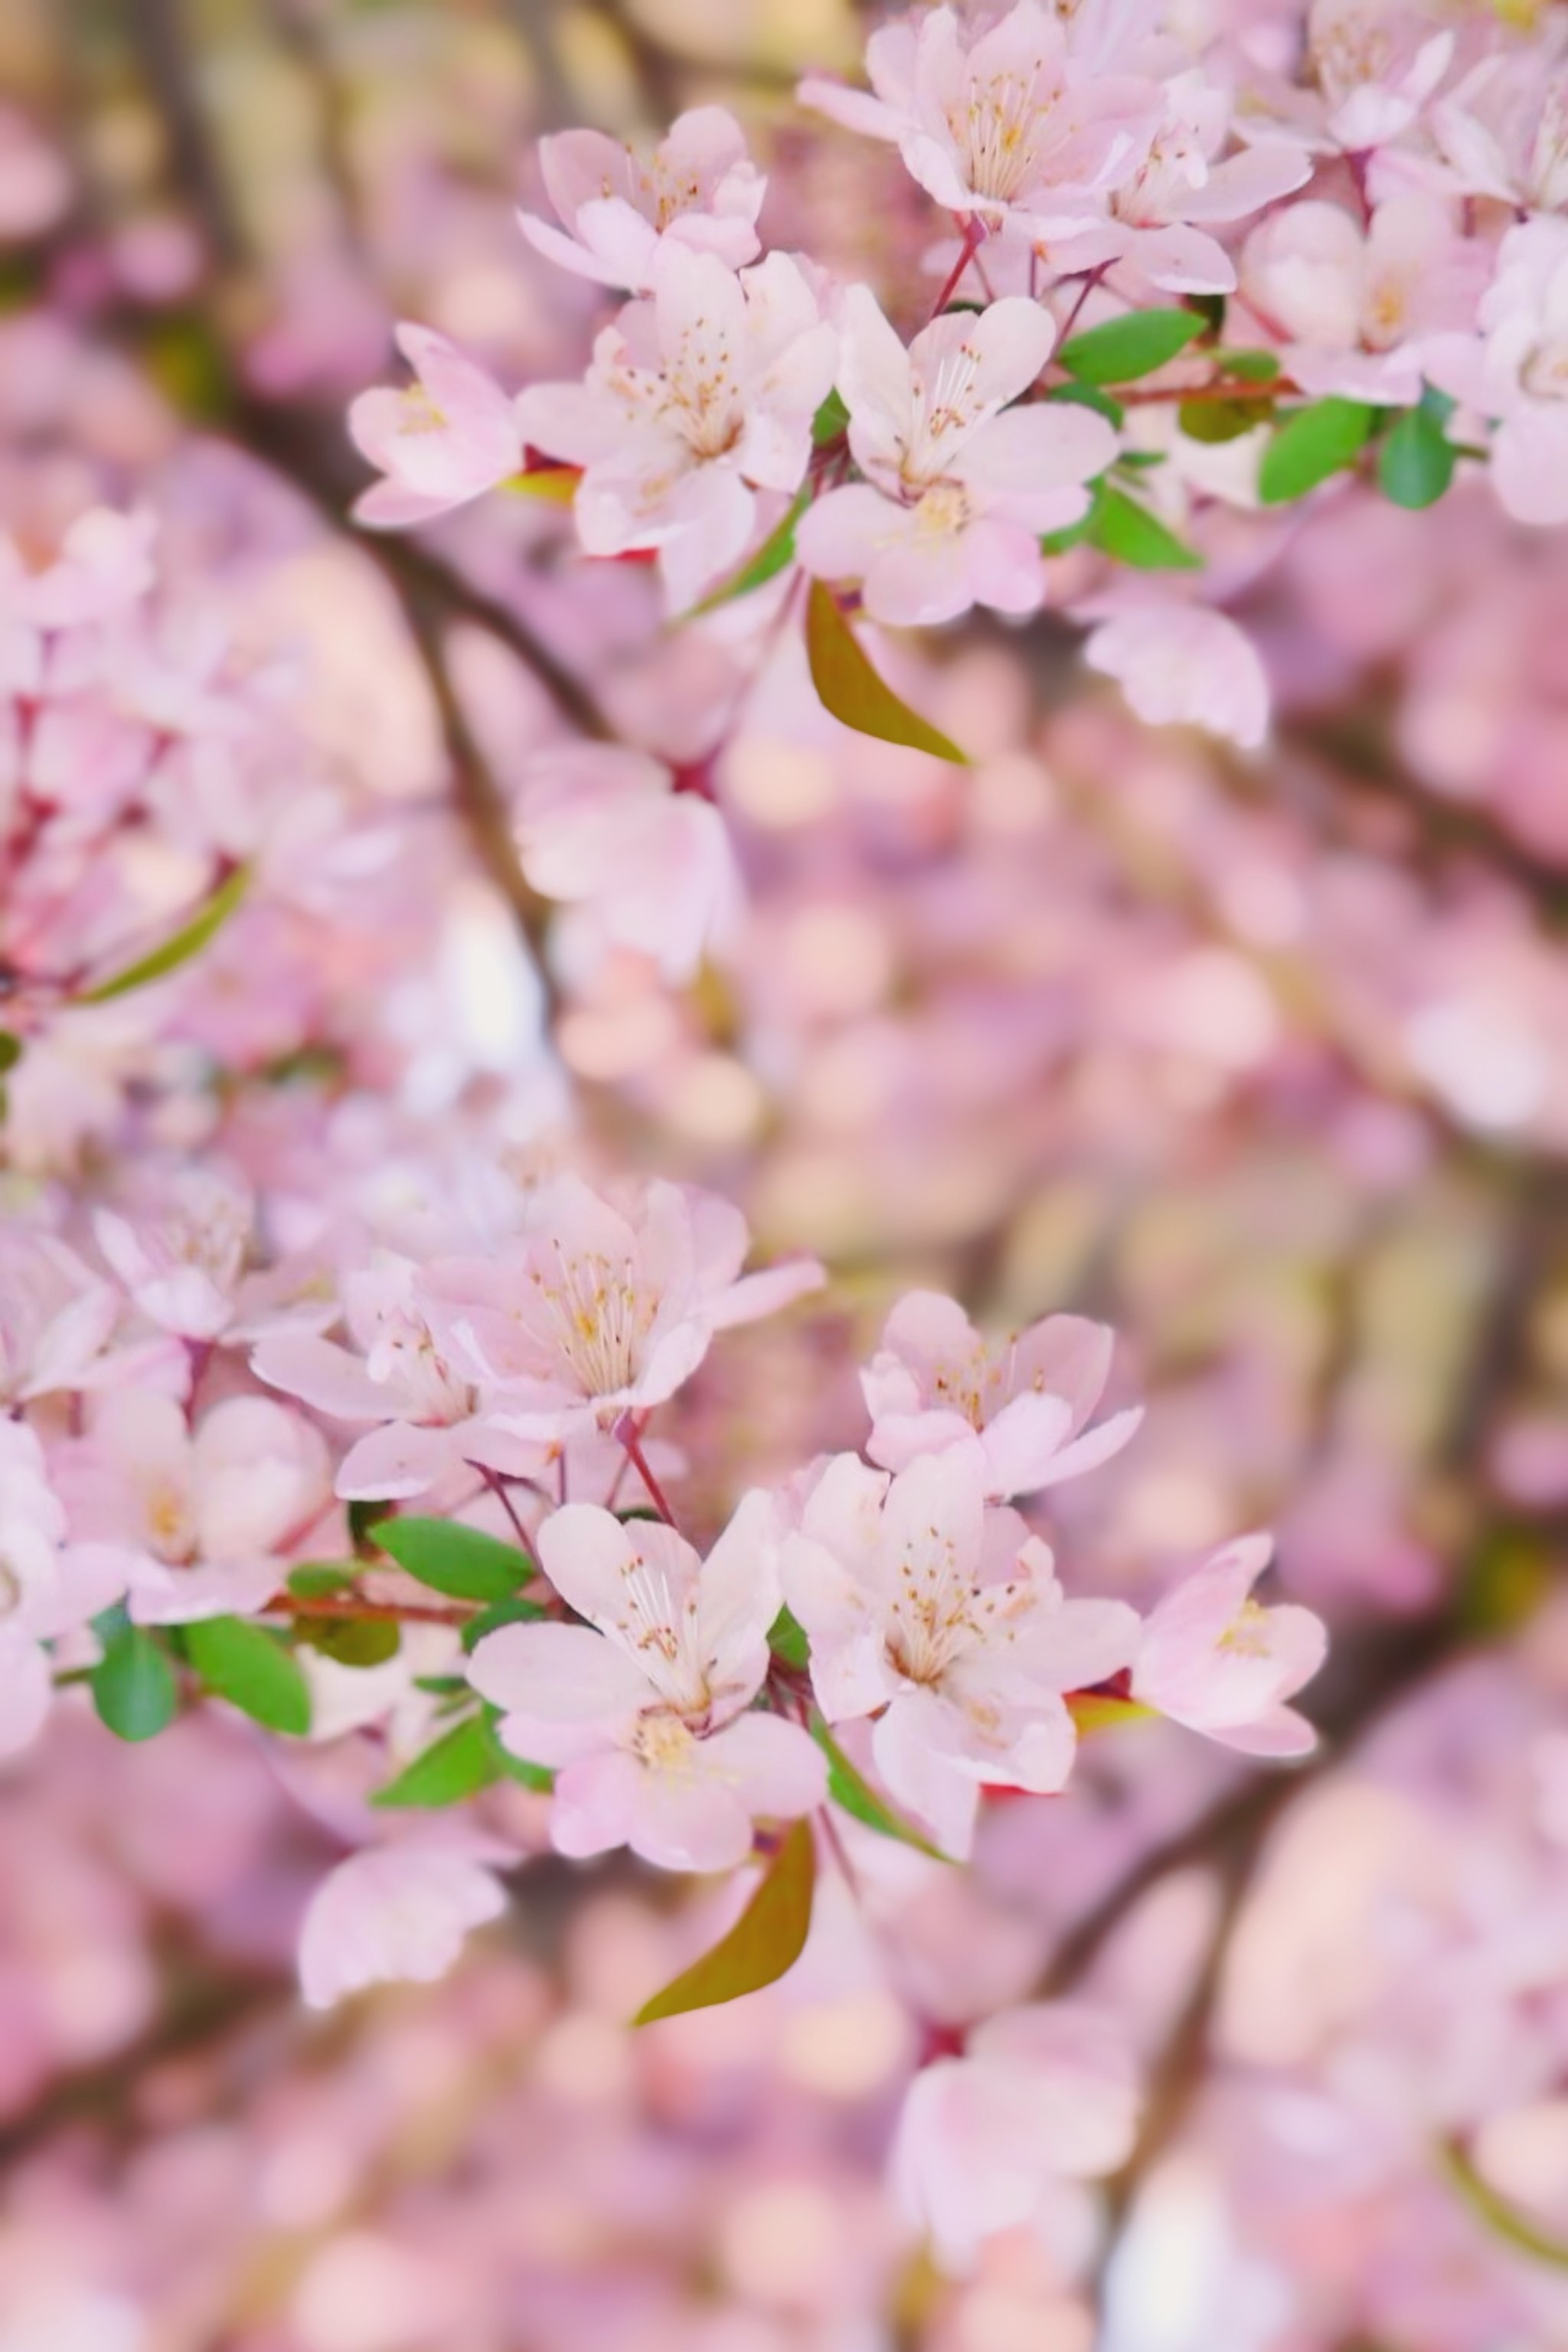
<point x="1497" y="2213"/>
<point x="1087" y="396"/>
<point x="775" y="551"/>
<point x="358" y="1642"/>
<point x="848" y="1788"/>
<point x="319" y="1579"/>
<point x="1222" y="420"/>
<point x="787" y="1640"/>
<point x="1416" y="462"/>
<point x="1118" y="526"/>
<point x="850" y="688"/>
<point x="1075" y="534"/>
<point x="133" y="1684"/>
<point x="1123" y="349"/>
<point x="831" y="419"/>
<point x="249" y="1667"/>
<point x="10" y="1051"/>
<point x="458" y="1765"/>
<point x="1310" y="445"/>
<point x="499" y="1613"/>
<point x="1253" y="367"/>
<point x="764" y="1943"/>
<point x="187" y="941"/>
<point x="460" y="1561"/>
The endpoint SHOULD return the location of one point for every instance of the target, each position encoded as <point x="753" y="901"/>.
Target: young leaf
<point x="1222" y="420"/>
<point x="458" y="1765"/>
<point x="10" y="1051"/>
<point x="848" y="1788"/>
<point x="1415" y="464"/>
<point x="187" y="941"/>
<point x="556" y="485"/>
<point x="1096" y="1711"/>
<point x="775" y="551"/>
<point x="318" y="1579"/>
<point x="460" y="1561"/>
<point x="1310" y="445"/>
<point x="787" y="1640"/>
<point x="358" y="1642"/>
<point x="830" y="420"/>
<point x="1089" y="396"/>
<point x="1253" y="367"/>
<point x="499" y="1613"/>
<point x="1124" y="348"/>
<point x="249" y="1667"/>
<point x="764" y="1943"/>
<point x="851" y="689"/>
<point x="133" y="1685"/>
<point x="1118" y="526"/>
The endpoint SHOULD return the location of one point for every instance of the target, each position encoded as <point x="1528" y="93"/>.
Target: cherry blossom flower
<point x="56" y="1316"/>
<point x="1021" y="1406"/>
<point x="451" y="435"/>
<point x="947" y="1622"/>
<point x="599" y="1309"/>
<point x="1219" y="1662"/>
<point x="204" y="1521"/>
<point x="397" y="1913"/>
<point x="48" y="1587"/>
<point x="1503" y="128"/>
<point x="1378" y="63"/>
<point x="1517" y="371"/>
<point x="1355" y="309"/>
<point x="994" y="119"/>
<point x="648" y="1717"/>
<point x="700" y="189"/>
<point x="696" y="399"/>
<point x="600" y="826"/>
<point x="1041" y="2095"/>
<point x="104" y="565"/>
<point x="431" y="1418"/>
<point x="957" y="493"/>
<point x="1185" y="666"/>
<point x="181" y="1256"/>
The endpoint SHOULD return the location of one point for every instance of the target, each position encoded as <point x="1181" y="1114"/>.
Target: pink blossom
<point x="701" y="189"/>
<point x="205" y="1521"/>
<point x="397" y="1376"/>
<point x="181" y="1256"/>
<point x="56" y="1316"/>
<point x="1021" y="1405"/>
<point x="104" y="565"/>
<point x="648" y="1717"/>
<point x="48" y="1587"/>
<point x="1185" y="666"/>
<point x="696" y="399"/>
<point x="1041" y="2095"/>
<point x="1503" y="129"/>
<point x="599" y="1309"/>
<point x="996" y="118"/>
<point x="601" y="826"/>
<point x="1355" y="309"/>
<point x="956" y="493"/>
<point x="448" y="438"/>
<point x="1518" y="371"/>
<point x="1219" y="1662"/>
<point x="396" y="1913"/>
<point x="1378" y="63"/>
<point x="947" y="1623"/>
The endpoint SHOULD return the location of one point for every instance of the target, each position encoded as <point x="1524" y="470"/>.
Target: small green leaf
<point x="1310" y="445"/>
<point x="1253" y="367"/>
<point x="458" y="1765"/>
<point x="319" y="1579"/>
<point x="249" y="1667"/>
<point x="764" y="1943"/>
<point x="133" y="1684"/>
<point x="848" y="1788"/>
<point x="462" y="1562"/>
<point x="1118" y="526"/>
<point x="1075" y="534"/>
<point x="1222" y="420"/>
<point x="1124" y="348"/>
<point x="10" y="1051"/>
<point x="787" y="1640"/>
<point x="831" y="419"/>
<point x="1089" y="396"/>
<point x="1416" y="462"/>
<point x="499" y="1613"/>
<point x="358" y="1642"/>
<point x="187" y="941"/>
<point x="775" y="551"/>
<point x="850" y="688"/>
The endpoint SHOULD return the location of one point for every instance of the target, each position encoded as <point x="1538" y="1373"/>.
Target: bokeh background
<point x="1262" y="1061"/>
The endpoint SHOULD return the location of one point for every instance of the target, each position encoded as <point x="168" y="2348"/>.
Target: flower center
<point x="1000" y="131"/>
